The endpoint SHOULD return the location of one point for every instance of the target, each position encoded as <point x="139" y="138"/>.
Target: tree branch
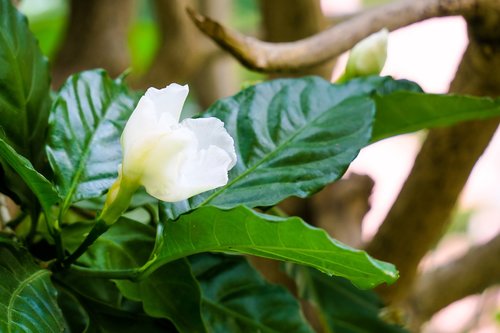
<point x="294" y="56"/>
<point x="477" y="270"/>
<point x="423" y="208"/>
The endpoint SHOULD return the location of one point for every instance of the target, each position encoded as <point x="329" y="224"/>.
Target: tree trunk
<point x="96" y="37"/>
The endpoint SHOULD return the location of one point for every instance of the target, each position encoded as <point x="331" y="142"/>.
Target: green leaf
<point x="243" y="230"/>
<point x="404" y="112"/>
<point x="98" y="306"/>
<point x="24" y="86"/>
<point x="237" y="299"/>
<point x="342" y="307"/>
<point x="76" y="317"/>
<point x="170" y="292"/>
<point x="292" y="137"/>
<point x="27" y="297"/>
<point x="127" y="244"/>
<point x="38" y="184"/>
<point x="87" y="121"/>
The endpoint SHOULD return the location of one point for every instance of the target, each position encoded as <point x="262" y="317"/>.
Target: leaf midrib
<point x="83" y="161"/>
<point x="271" y="154"/>
<point x="19" y="81"/>
<point x="17" y="291"/>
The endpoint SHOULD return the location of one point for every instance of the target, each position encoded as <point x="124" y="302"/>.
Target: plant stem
<point x="131" y="274"/>
<point x="58" y="243"/>
<point x="99" y="228"/>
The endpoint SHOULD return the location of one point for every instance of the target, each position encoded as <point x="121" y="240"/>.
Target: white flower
<point x="368" y="56"/>
<point x="172" y="160"/>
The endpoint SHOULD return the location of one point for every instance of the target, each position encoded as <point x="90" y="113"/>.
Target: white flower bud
<point x="368" y="56"/>
<point x="172" y="160"/>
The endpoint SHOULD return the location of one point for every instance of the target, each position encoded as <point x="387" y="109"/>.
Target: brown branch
<point x="423" y="208"/>
<point x="297" y="19"/>
<point x="294" y="56"/>
<point x="468" y="275"/>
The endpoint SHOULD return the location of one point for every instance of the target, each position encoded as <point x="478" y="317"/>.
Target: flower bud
<point x="368" y="56"/>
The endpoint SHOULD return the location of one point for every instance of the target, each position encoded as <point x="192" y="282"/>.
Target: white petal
<point x="211" y="132"/>
<point x="168" y="100"/>
<point x="206" y="170"/>
<point x="164" y="162"/>
<point x="141" y="126"/>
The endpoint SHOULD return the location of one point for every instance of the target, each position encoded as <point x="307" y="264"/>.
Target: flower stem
<point x="97" y="230"/>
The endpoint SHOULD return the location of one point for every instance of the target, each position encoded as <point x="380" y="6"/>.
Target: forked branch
<point x="294" y="56"/>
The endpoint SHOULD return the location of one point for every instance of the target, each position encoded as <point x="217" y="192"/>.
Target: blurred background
<point x="157" y="44"/>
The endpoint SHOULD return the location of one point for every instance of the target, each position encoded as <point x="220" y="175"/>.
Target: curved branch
<point x="293" y="56"/>
<point x="422" y="211"/>
<point x="477" y="270"/>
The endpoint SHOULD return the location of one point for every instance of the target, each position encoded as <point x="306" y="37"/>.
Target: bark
<point x="217" y="75"/>
<point x="96" y="37"/>
<point x="422" y="210"/>
<point x="319" y="48"/>
<point x="179" y="53"/>
<point x="288" y="21"/>
<point x="473" y="273"/>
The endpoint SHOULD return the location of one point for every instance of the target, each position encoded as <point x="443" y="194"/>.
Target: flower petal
<point x="211" y="132"/>
<point x="204" y="171"/>
<point x="168" y="100"/>
<point x="164" y="162"/>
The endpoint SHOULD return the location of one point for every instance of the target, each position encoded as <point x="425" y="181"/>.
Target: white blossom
<point x="174" y="160"/>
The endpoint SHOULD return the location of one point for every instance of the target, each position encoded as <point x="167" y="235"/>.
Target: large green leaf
<point x="237" y="299"/>
<point x="171" y="292"/>
<point x="292" y="137"/>
<point x="405" y="111"/>
<point x="96" y="306"/>
<point x="87" y="120"/>
<point x="243" y="230"/>
<point x="24" y="86"/>
<point x="39" y="185"/>
<point x="342" y="307"/>
<point x="27" y="297"/>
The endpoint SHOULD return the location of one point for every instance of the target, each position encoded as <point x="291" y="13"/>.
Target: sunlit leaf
<point x="87" y="121"/>
<point x="243" y="230"/>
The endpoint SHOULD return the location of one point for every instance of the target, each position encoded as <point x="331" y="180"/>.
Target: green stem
<point x="131" y="274"/>
<point x="59" y="244"/>
<point x="99" y="228"/>
<point x="152" y="213"/>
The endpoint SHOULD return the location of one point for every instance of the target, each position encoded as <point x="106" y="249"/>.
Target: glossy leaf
<point x="237" y="299"/>
<point x="243" y="230"/>
<point x="39" y="185"/>
<point x="342" y="307"/>
<point x="27" y="297"/>
<point x="24" y="86"/>
<point x="97" y="306"/>
<point x="87" y="120"/>
<point x="171" y="292"/>
<point x="292" y="137"/>
<point x="405" y="111"/>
